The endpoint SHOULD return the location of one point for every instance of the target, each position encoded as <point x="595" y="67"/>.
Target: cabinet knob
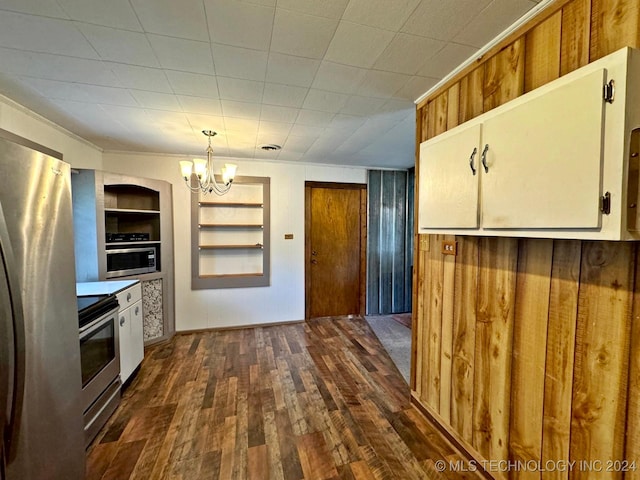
<point x="129" y="297"/>
<point x="137" y="310"/>
<point x="121" y="321"/>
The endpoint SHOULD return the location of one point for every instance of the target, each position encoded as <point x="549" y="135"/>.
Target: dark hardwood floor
<point x="315" y="400"/>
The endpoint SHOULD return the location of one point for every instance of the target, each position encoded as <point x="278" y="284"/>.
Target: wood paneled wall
<point x="528" y="349"/>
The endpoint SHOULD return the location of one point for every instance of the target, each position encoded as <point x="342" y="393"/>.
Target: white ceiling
<point x="332" y="81"/>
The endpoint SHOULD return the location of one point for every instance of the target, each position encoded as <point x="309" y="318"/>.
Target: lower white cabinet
<point x="131" y="334"/>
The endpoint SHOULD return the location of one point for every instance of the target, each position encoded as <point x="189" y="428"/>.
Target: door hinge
<point x="609" y="91"/>
<point x="605" y="203"/>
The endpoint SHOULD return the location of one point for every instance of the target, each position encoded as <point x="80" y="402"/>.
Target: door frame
<point x="308" y="186"/>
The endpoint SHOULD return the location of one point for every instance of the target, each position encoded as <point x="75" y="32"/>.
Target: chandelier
<point x="203" y="171"/>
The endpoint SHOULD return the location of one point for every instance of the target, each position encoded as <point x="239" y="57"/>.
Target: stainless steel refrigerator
<point x="40" y="381"/>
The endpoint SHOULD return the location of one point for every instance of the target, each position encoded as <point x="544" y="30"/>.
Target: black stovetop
<point x="92" y="307"/>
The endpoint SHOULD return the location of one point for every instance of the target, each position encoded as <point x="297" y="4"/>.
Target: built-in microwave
<point x="130" y="261"/>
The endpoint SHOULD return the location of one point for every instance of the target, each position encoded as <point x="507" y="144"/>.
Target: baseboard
<point x="467" y="452"/>
<point x="238" y="327"/>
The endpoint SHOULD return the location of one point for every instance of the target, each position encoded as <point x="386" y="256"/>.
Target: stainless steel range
<point x="99" y="359"/>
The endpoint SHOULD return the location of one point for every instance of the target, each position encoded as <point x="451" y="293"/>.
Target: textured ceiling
<point x="332" y="81"/>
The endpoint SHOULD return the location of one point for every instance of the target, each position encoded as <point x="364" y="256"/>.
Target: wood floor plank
<point x="318" y="400"/>
<point x="124" y="461"/>
<point x="315" y="458"/>
<point x="257" y="459"/>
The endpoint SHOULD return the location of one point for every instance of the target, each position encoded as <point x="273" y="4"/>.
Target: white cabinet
<point x="542" y="165"/>
<point x="449" y="179"/>
<point x="130" y="331"/>
<point x="544" y="156"/>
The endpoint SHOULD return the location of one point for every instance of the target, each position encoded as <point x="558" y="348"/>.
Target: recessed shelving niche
<point x="114" y="212"/>
<point x="230" y="236"/>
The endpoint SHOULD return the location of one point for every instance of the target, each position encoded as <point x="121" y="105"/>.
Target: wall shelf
<point x="231" y="204"/>
<point x="230" y="238"/>
<point x="131" y="211"/>
<point x="235" y="275"/>
<point x="230" y="247"/>
<point x="230" y="225"/>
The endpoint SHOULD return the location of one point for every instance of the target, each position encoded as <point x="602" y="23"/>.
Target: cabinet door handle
<point x="137" y="310"/>
<point x="121" y="321"/>
<point x="484" y="158"/>
<point x="471" y="160"/>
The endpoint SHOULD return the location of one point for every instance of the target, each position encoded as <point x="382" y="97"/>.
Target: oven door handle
<point x="88" y="329"/>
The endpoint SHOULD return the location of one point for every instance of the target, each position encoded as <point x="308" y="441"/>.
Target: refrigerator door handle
<point x="16" y="373"/>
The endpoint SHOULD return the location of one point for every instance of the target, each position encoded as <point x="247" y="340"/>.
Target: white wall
<point x="283" y="300"/>
<point x="21" y="121"/>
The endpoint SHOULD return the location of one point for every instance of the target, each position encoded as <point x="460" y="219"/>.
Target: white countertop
<point x="103" y="288"/>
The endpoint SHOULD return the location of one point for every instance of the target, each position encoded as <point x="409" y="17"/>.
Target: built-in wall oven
<point x="100" y="360"/>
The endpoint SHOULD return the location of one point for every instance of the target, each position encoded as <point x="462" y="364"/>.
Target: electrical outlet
<point x="449" y="247"/>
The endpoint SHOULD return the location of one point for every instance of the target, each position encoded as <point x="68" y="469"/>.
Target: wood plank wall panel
<point x="453" y="106"/>
<point x="539" y="336"/>
<point x="614" y="24"/>
<point x="530" y="342"/>
<point x="432" y="330"/>
<point x="504" y="76"/>
<point x="561" y="333"/>
<point x="632" y="447"/>
<point x="471" y="96"/>
<point x="418" y="317"/>
<point x="494" y="330"/>
<point x="607" y="277"/>
<point x="576" y="32"/>
<point x="439" y="114"/>
<point x="446" y="344"/>
<point x="418" y="280"/>
<point x="464" y="337"/>
<point x="542" y="46"/>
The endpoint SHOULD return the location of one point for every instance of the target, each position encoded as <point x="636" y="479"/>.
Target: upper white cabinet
<point x="551" y="163"/>
<point x="449" y="179"/>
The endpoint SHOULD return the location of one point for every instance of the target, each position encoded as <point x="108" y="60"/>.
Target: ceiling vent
<point x="270" y="147"/>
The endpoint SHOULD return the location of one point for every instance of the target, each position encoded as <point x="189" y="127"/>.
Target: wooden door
<point x="335" y="242"/>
